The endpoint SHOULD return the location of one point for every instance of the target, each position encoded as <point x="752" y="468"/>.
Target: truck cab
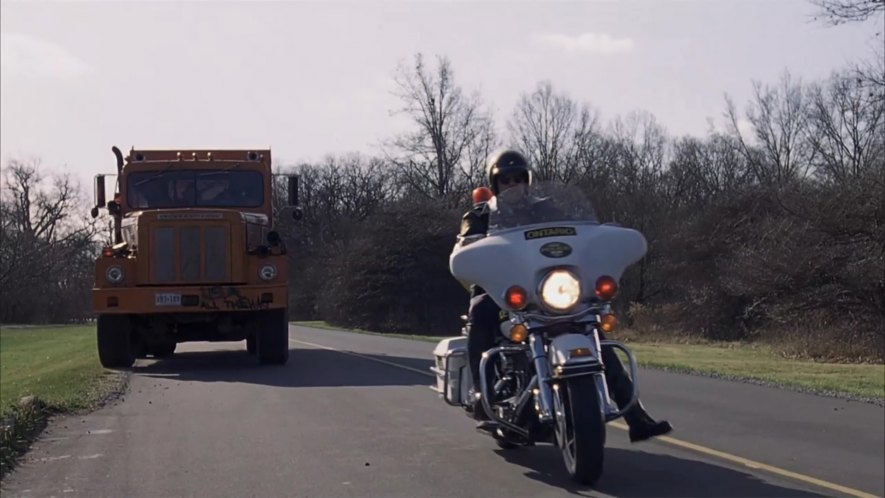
<point x="195" y="255"/>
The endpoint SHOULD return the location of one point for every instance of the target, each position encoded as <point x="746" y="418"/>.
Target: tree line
<point x="772" y="228"/>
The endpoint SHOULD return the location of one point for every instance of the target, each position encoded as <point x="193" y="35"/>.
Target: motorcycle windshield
<point x="555" y="227"/>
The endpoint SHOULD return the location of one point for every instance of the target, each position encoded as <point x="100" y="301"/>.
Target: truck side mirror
<point x="293" y="190"/>
<point x="99" y="191"/>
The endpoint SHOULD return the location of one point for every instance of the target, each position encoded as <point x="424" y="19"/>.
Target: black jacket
<point x="475" y="222"/>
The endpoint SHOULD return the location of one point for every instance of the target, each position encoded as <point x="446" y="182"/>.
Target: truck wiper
<point x="155" y="175"/>
<point x="219" y="171"/>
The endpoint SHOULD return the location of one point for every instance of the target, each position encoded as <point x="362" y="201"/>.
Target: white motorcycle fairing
<point x="514" y="256"/>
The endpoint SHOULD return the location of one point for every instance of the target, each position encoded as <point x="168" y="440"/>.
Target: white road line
<point x="393" y="364"/>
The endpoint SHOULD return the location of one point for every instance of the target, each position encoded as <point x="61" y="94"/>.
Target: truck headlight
<point x="114" y="274"/>
<point x="267" y="272"/>
<point x="560" y="290"/>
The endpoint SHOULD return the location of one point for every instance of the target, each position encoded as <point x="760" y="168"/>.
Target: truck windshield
<point x="203" y="188"/>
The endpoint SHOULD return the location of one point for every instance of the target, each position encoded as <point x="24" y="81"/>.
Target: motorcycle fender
<point x="560" y="349"/>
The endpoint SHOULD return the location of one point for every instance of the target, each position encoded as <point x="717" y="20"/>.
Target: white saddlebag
<point x="453" y="379"/>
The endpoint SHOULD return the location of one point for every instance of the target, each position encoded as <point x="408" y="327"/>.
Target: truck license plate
<point x="167" y="299"/>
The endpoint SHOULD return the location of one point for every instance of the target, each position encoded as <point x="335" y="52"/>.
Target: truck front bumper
<point x="210" y="298"/>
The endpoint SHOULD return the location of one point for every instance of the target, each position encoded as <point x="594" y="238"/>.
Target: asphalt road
<point x="352" y="415"/>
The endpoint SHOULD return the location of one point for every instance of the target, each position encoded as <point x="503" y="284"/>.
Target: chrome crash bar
<point x="484" y="389"/>
<point x="634" y="376"/>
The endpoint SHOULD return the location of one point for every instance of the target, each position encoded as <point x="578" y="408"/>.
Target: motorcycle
<point x="554" y="269"/>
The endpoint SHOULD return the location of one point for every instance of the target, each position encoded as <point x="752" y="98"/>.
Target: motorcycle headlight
<point x="267" y="272"/>
<point x="114" y="274"/>
<point x="560" y="290"/>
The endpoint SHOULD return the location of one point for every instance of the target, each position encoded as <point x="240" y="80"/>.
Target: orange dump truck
<point x="195" y="257"/>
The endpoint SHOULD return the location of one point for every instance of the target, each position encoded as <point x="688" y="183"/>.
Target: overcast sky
<point x="311" y="78"/>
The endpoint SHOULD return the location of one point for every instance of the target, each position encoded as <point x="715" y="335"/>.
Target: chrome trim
<point x="483" y="386"/>
<point x="526" y="395"/>
<point x="576" y="370"/>
<point x="634" y="376"/>
<point x="547" y="319"/>
<point x="542" y="369"/>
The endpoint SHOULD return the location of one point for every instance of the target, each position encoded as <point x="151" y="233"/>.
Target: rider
<point x="509" y="178"/>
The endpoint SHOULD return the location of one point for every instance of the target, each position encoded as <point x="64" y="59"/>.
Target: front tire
<point x="580" y="429"/>
<point x="272" y="337"/>
<point x="115" y="341"/>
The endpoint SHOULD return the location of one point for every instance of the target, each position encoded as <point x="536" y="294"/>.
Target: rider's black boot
<point x="642" y="426"/>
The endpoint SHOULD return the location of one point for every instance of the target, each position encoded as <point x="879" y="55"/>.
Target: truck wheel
<point x="165" y="350"/>
<point x="139" y="348"/>
<point x="114" y="341"/>
<point x="273" y="337"/>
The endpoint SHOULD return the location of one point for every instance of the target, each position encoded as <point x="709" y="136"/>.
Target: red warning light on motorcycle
<point x="516" y="297"/>
<point x="481" y="194"/>
<point x="606" y="288"/>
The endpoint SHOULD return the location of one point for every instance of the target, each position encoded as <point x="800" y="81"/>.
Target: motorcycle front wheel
<point x="580" y="429"/>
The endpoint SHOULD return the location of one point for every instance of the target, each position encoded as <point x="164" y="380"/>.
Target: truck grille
<point x="190" y="254"/>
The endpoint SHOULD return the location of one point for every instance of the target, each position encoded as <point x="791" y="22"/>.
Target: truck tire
<point x="164" y="350"/>
<point x="273" y="337"/>
<point x="115" y="341"/>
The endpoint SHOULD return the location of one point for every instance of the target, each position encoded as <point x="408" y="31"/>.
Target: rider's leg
<point x="642" y="426"/>
<point x="482" y="319"/>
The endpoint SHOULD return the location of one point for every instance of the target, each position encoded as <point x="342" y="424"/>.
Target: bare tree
<point x="704" y="171"/>
<point x="441" y="156"/>
<point x="641" y="148"/>
<point x="554" y="131"/>
<point x="633" y="194"/>
<point x="871" y="72"/>
<point x="846" y="129"/>
<point x="844" y="11"/>
<point x="47" y="245"/>
<point x="779" y="119"/>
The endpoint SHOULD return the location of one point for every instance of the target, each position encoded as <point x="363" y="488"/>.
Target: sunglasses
<point x="507" y="180"/>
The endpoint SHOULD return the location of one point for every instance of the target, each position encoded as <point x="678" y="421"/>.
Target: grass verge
<point x="56" y="370"/>
<point x="737" y="361"/>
